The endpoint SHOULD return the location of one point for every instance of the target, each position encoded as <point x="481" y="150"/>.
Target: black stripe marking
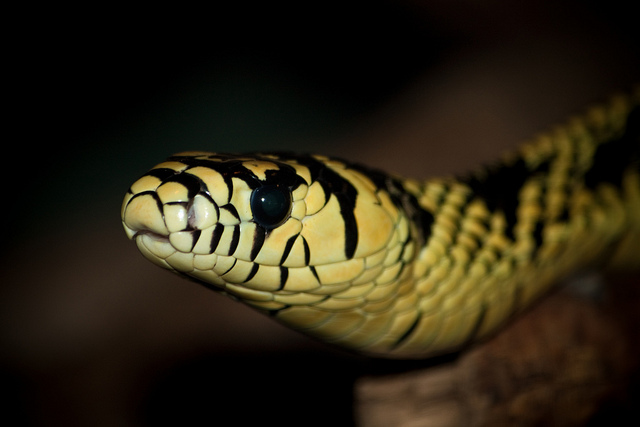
<point x="258" y="240"/>
<point x="284" y="275"/>
<point x="235" y="238"/>
<point x="232" y="210"/>
<point x="227" y="165"/>
<point x="307" y="251"/>
<point x="612" y="158"/>
<point x="195" y="235"/>
<point x="315" y="273"/>
<point x="499" y="187"/>
<point x="215" y="237"/>
<point x="254" y="270"/>
<point x="287" y="248"/>
<point x="409" y="331"/>
<point x="403" y="200"/>
<point x="230" y="268"/>
<point x="192" y="183"/>
<point x="155" y="197"/>
<point x="161" y="173"/>
<point x="538" y="234"/>
<point x="350" y="229"/>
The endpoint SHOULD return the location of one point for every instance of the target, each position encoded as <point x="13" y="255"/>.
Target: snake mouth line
<point x="151" y="235"/>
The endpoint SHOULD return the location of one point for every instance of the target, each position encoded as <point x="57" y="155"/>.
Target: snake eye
<point x="270" y="205"/>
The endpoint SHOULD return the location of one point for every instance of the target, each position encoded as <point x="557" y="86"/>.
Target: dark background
<point x="93" y="334"/>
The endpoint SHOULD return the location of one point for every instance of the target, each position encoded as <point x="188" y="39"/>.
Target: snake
<point x="395" y="267"/>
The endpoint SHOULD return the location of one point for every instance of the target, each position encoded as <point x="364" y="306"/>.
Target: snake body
<point x="390" y="266"/>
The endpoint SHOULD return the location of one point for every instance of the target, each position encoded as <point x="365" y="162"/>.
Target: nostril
<point x="201" y="212"/>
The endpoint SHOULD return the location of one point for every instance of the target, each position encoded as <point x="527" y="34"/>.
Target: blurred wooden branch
<point x="555" y="365"/>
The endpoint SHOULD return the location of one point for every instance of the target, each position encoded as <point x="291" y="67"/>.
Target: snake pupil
<point x="270" y="205"/>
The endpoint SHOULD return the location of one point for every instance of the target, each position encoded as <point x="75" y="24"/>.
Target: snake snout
<point x="168" y="217"/>
<point x="143" y="214"/>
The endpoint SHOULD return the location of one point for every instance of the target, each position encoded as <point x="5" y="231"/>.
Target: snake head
<point x="304" y="238"/>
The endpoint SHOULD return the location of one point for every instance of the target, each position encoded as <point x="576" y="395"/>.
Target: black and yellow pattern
<point x="390" y="266"/>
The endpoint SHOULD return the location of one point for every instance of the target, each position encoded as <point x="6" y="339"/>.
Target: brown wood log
<point x="567" y="361"/>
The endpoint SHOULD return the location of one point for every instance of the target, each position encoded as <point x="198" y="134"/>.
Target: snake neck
<point x="500" y="237"/>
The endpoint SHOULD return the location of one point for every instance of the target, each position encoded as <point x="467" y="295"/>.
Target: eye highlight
<point x="270" y="205"/>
